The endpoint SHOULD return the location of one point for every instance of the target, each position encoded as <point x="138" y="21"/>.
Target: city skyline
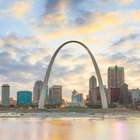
<point x="29" y="36"/>
<point x="37" y="87"/>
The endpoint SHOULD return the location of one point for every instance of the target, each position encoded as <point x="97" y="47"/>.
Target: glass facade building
<point x="24" y="97"/>
<point x="37" y="90"/>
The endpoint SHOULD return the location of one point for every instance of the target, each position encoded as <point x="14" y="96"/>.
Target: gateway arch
<point x="46" y="79"/>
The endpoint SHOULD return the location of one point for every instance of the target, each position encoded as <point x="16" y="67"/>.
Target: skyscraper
<point x="92" y="82"/>
<point x="5" y="94"/>
<point x="92" y="87"/>
<point x="115" y="81"/>
<point x="115" y="77"/>
<point x="37" y="90"/>
<point x="125" y="94"/>
<point x="56" y="94"/>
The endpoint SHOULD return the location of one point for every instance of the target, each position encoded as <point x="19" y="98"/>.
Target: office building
<point x="113" y="95"/>
<point x="37" y="90"/>
<point x="115" y="77"/>
<point x="5" y="94"/>
<point x="115" y="81"/>
<point x="92" y="82"/>
<point x="92" y="88"/>
<point x="24" y="97"/>
<point x="135" y="93"/>
<point x="125" y="95"/>
<point x="77" y="99"/>
<point x="55" y="94"/>
<point x="95" y="95"/>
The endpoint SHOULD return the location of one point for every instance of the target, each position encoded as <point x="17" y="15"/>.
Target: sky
<point x="31" y="31"/>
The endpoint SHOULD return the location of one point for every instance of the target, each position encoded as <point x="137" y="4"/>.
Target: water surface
<point x="69" y="129"/>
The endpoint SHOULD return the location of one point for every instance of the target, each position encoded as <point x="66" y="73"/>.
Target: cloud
<point x="102" y="21"/>
<point x="27" y="48"/>
<point x="130" y="37"/>
<point x="85" y="17"/>
<point x="118" y="56"/>
<point x="126" y="1"/>
<point x="65" y="15"/>
<point x="55" y="6"/>
<point x="18" y="9"/>
<point x="58" y="25"/>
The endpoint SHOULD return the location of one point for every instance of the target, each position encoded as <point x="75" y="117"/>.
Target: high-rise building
<point x="135" y="94"/>
<point x="115" y="77"/>
<point x="92" y="87"/>
<point x="96" y="98"/>
<point x="55" y="94"/>
<point x="37" y="90"/>
<point x="115" y="81"/>
<point x="48" y="99"/>
<point x="125" y="94"/>
<point x="92" y="82"/>
<point x="24" y="97"/>
<point x="5" y="94"/>
<point x="113" y="95"/>
<point x="95" y="95"/>
<point x="76" y="97"/>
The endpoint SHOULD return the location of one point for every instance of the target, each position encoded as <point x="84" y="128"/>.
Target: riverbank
<point x="54" y="113"/>
<point x="66" y="110"/>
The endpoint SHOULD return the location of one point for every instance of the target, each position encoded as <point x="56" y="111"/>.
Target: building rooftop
<point x="116" y="67"/>
<point x="74" y="92"/>
<point x="5" y="85"/>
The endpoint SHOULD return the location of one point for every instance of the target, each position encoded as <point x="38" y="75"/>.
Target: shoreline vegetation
<point x="67" y="109"/>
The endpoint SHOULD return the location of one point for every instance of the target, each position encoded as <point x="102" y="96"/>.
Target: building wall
<point x="77" y="98"/>
<point x="24" y="97"/>
<point x="94" y="95"/>
<point x="47" y="91"/>
<point x="5" y="94"/>
<point x="125" y="94"/>
<point x="92" y="82"/>
<point x="135" y="94"/>
<point x="91" y="95"/>
<point x="92" y="89"/>
<point x="114" y="94"/>
<point x="115" y="81"/>
<point x="37" y="90"/>
<point x="115" y="77"/>
<point x="55" y="94"/>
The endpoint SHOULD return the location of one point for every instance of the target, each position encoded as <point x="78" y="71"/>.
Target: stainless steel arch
<point x="46" y="79"/>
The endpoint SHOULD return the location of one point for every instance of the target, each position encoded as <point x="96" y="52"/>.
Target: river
<point x="69" y="129"/>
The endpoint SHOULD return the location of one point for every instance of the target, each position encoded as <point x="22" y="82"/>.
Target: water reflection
<point x="69" y="129"/>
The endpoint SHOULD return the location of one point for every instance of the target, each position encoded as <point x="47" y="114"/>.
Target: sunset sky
<point x="31" y="30"/>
